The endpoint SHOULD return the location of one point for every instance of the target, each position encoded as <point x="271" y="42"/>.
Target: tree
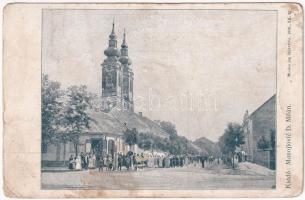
<point x="76" y="120"/>
<point x="50" y="111"/>
<point x="145" y="141"/>
<point x="169" y="128"/>
<point x="96" y="102"/>
<point x="130" y="136"/>
<point x="233" y="137"/>
<point x="263" y="143"/>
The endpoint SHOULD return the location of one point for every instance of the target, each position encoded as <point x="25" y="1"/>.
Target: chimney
<point x="140" y="113"/>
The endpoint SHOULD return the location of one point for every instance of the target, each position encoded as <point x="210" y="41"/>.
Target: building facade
<point x="117" y="75"/>
<point x="260" y="134"/>
<point x="104" y="137"/>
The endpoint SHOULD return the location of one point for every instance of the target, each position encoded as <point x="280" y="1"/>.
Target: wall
<point x="262" y="158"/>
<point x="262" y="121"/>
<point x="54" y="156"/>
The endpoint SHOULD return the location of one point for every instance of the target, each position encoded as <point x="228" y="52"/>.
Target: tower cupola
<point x="124" y="59"/>
<point x="112" y="50"/>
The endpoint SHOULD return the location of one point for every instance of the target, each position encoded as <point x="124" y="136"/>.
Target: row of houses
<point x="104" y="137"/>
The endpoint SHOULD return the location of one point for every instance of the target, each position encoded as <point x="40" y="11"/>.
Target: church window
<point x="109" y="81"/>
<point x="131" y="86"/>
<point x="120" y="81"/>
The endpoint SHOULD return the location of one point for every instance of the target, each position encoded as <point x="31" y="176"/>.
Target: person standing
<point x="127" y="161"/>
<point x="202" y="159"/>
<point x="71" y="162"/>
<point x="82" y="157"/>
<point x="90" y="164"/>
<point x="74" y="162"/>
<point x="120" y="162"/>
<point x="86" y="161"/>
<point x="115" y="162"/>
<point x="94" y="160"/>
<point x="135" y="163"/>
<point x="110" y="163"/>
<point x="107" y="163"/>
<point x="100" y="163"/>
<point x="78" y="163"/>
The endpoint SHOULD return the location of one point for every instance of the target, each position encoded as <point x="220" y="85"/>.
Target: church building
<point x="106" y="128"/>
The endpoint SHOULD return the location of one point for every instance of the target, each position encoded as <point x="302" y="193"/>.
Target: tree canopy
<point x="51" y="107"/>
<point x="130" y="136"/>
<point x="175" y="144"/>
<point x="75" y="117"/>
<point x="63" y="112"/>
<point x="233" y="137"/>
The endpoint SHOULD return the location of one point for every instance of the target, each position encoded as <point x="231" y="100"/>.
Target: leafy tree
<point x="170" y="128"/>
<point x="233" y="137"/>
<point x="50" y="111"/>
<point x="263" y="143"/>
<point x="76" y="120"/>
<point x="174" y="144"/>
<point x="145" y="141"/>
<point x="130" y="136"/>
<point x="96" y="102"/>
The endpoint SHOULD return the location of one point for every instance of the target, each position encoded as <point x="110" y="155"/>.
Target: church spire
<point x="112" y="36"/>
<point x="112" y="45"/>
<point x="112" y="32"/>
<point x="124" y="44"/>
<point x="124" y="52"/>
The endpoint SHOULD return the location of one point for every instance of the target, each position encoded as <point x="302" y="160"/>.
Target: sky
<point x="199" y="69"/>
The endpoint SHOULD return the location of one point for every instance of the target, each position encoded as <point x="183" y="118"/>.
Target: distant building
<point x="260" y="134"/>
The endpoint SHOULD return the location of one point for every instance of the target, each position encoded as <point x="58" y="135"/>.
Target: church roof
<point x="113" y="123"/>
<point x="142" y="124"/>
<point x="102" y="122"/>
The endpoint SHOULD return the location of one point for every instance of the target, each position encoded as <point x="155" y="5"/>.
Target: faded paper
<point x="198" y="54"/>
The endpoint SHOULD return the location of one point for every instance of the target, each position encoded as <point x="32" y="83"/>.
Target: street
<point x="247" y="176"/>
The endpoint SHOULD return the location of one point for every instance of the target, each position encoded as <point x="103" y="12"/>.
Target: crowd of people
<point x="131" y="161"/>
<point x="82" y="161"/>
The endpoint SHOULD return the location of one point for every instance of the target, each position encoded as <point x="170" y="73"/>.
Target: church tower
<point x="112" y="75"/>
<point x="127" y="86"/>
<point x="117" y="76"/>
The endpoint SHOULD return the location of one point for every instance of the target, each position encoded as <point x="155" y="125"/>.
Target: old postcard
<point x="153" y="100"/>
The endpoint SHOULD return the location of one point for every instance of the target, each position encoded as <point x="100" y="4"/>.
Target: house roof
<point x="142" y="124"/>
<point x="102" y="122"/>
<point x="271" y="98"/>
<point x="114" y="123"/>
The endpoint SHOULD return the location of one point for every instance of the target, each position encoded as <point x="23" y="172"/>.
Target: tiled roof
<point x="142" y="124"/>
<point x="102" y="122"/>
